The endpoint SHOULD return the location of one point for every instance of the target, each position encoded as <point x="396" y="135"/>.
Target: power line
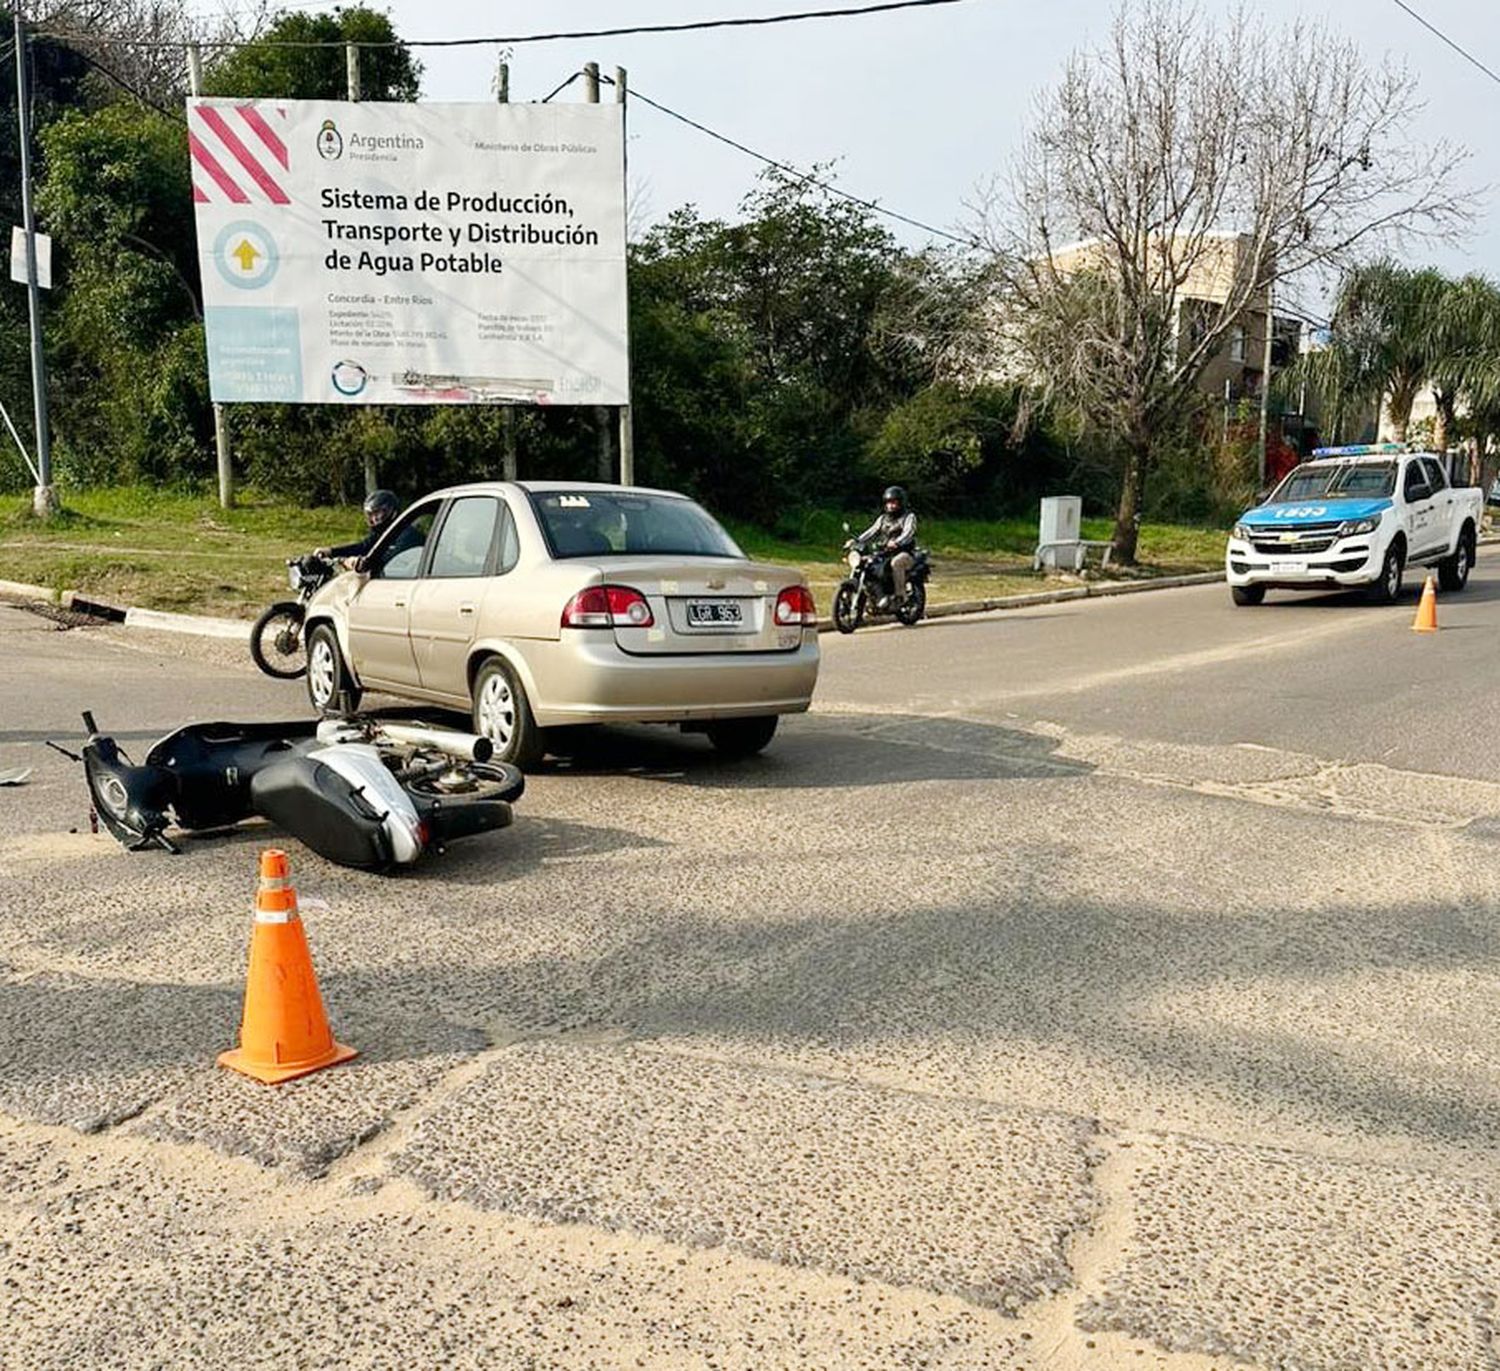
<point x="506" y="40"/>
<point x="803" y="177"/>
<point x="1460" y="50"/>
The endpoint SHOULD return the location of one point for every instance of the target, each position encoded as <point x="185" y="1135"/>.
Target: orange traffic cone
<point x="284" y="1032"/>
<point x="1426" y="620"/>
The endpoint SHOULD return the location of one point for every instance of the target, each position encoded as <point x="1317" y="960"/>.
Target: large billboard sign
<point x="364" y="253"/>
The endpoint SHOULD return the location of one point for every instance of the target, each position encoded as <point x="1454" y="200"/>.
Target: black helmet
<point x="381" y="507"/>
<point x="896" y="493"/>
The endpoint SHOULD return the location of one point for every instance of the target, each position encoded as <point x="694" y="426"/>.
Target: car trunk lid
<point x="703" y="604"/>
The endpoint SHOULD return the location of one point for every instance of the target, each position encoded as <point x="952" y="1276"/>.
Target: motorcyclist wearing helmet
<point x="895" y="534"/>
<point x="381" y="506"/>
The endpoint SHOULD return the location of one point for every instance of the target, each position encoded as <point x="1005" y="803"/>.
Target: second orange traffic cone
<point x="284" y="1031"/>
<point x="1426" y="620"/>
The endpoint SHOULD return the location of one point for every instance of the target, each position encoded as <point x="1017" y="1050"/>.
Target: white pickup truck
<point x="1355" y="517"/>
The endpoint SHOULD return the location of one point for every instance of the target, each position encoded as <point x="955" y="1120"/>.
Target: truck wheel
<point x="1387" y="589"/>
<point x="1247" y="595"/>
<point x="1453" y="573"/>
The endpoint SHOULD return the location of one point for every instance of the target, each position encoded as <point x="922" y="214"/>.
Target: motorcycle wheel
<point x="911" y="610"/>
<point x="276" y="641"/>
<point x="848" y="608"/>
<point x="481" y="782"/>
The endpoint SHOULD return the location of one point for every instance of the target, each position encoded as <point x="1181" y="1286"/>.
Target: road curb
<point x="23" y="590"/>
<point x="200" y="625"/>
<point x="1051" y="597"/>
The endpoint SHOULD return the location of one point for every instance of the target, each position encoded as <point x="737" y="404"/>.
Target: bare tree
<point x="133" y="45"/>
<point x="1169" y="182"/>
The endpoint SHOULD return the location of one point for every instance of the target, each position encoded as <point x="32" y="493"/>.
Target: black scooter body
<point x="214" y="775"/>
<point x="324" y="810"/>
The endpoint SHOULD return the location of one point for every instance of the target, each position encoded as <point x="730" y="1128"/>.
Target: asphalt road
<point x="1107" y="984"/>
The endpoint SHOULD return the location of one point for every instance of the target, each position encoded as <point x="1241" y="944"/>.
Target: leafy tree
<point x="58" y="78"/>
<point x="127" y="346"/>
<point x="387" y="69"/>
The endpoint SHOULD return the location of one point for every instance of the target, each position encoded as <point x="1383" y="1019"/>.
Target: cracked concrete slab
<point x="1286" y="1260"/>
<point x="958" y="1197"/>
<point x="94" y="1053"/>
<point x="91" y="1053"/>
<point x="309" y="1123"/>
<point x="136" y="1256"/>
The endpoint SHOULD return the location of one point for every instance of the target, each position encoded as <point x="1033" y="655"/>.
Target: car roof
<point x="546" y="487"/>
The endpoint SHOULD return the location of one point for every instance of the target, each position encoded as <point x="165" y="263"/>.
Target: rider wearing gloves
<point x="381" y="507"/>
<point x="895" y="534"/>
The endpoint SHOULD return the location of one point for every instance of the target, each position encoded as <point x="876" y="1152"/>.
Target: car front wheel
<point x="328" y="685"/>
<point x="1247" y="595"/>
<point x="502" y="713"/>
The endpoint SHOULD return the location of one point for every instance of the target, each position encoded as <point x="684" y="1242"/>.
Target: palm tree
<point x="1463" y="345"/>
<point x="1382" y="346"/>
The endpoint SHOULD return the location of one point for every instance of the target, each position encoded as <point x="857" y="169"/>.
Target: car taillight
<point x="795" y="607"/>
<point x="608" y="607"/>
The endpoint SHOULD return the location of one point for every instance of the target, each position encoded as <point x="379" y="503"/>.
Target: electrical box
<point x="1058" y="544"/>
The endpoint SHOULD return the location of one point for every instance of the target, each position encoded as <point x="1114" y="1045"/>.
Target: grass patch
<point x="169" y="549"/>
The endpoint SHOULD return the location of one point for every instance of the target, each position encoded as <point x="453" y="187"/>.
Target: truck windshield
<point x="1342" y="480"/>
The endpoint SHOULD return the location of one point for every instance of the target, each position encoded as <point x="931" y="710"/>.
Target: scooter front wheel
<point x="848" y="608"/>
<point x="276" y="641"/>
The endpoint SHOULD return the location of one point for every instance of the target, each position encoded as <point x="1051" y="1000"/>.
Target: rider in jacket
<point x="894" y="533"/>
<point x="381" y="506"/>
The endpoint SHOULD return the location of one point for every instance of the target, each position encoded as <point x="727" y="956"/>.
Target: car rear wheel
<point x="502" y="713"/>
<point x="1453" y="574"/>
<point x="328" y="684"/>
<point x="742" y="737"/>
<point x="1247" y="595"/>
<point x="1387" y="590"/>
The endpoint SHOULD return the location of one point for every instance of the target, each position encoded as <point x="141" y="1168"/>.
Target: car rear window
<point x="591" y="523"/>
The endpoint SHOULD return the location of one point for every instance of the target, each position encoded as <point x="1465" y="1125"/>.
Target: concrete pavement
<point x="1107" y="984"/>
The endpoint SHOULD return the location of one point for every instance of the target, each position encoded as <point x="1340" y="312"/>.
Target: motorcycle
<point x="276" y="641"/>
<point x="360" y="791"/>
<point x="868" y="591"/>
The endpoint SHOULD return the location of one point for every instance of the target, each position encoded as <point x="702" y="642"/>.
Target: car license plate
<point x="1288" y="568"/>
<point x="713" y="613"/>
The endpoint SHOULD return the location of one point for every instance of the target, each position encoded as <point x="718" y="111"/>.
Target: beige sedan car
<point x="540" y="604"/>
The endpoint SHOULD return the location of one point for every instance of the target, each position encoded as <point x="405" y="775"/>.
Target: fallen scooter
<point x="360" y="791"/>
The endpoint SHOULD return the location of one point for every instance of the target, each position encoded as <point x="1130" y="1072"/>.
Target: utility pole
<point x="44" y="501"/>
<point x="508" y="467"/>
<point x="627" y="422"/>
<point x="221" y="422"/>
<point x="351" y="77"/>
<point x="1265" y="385"/>
<point x="606" y="462"/>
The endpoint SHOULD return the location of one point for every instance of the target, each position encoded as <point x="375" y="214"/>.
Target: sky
<point x="916" y="108"/>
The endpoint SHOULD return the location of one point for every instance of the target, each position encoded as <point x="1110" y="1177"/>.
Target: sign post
<point x="44" y="500"/>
